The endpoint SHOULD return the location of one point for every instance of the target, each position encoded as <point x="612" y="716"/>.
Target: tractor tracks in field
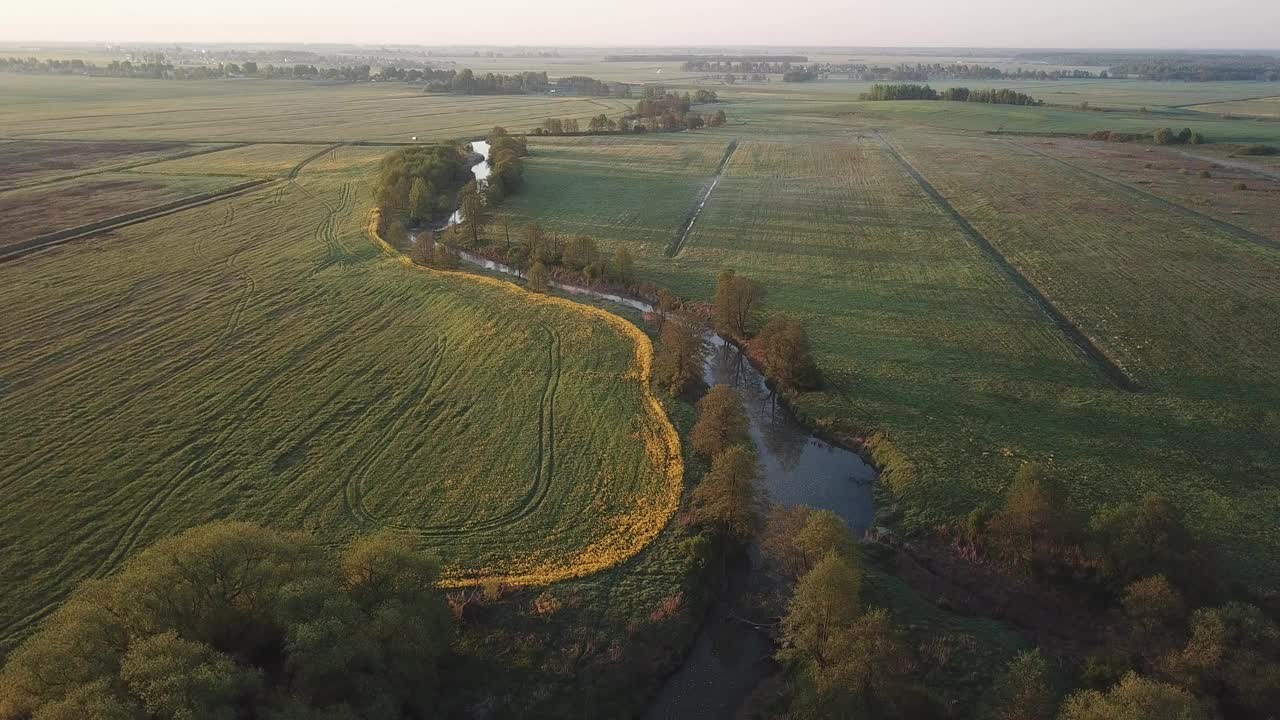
<point x="1227" y="228"/>
<point x="327" y="231"/>
<point x="677" y="245"/>
<point x="1091" y="350"/>
<point x="527" y="505"/>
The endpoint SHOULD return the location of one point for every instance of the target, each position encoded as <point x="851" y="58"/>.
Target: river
<point x="729" y="658"/>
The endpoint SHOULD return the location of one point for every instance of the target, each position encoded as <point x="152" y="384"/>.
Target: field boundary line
<point x="293" y="173"/>
<point x="51" y="240"/>
<point x="1234" y="231"/>
<point x="632" y="532"/>
<point x="126" y="166"/>
<point x="677" y="245"/>
<point x="1091" y="349"/>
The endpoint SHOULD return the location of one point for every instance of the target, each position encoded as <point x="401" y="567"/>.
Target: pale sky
<point x="955" y="23"/>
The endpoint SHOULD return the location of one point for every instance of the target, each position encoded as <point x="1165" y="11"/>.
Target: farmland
<point x="275" y="366"/>
<point x="31" y="212"/>
<point x="29" y="163"/>
<point x="922" y="335"/>
<point x="982" y="287"/>
<point x="264" y="111"/>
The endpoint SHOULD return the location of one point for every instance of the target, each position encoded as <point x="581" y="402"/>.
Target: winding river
<point x="729" y="658"/>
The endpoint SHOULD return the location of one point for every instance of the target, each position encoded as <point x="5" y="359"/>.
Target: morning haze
<point x="944" y="23"/>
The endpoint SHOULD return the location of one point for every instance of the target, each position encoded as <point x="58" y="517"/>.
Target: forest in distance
<point x="383" y="380"/>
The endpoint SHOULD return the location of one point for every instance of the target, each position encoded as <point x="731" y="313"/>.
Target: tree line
<point x="924" y="72"/>
<point x="1159" y="136"/>
<point x="157" y="66"/>
<point x="907" y="91"/>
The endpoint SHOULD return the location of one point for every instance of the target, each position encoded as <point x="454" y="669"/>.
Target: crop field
<point x="28" y="163"/>
<point x="264" y="111"/>
<point x="260" y="358"/>
<point x="30" y="212"/>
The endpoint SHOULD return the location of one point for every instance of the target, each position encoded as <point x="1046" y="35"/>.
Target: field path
<point x="677" y="246"/>
<point x="1087" y="346"/>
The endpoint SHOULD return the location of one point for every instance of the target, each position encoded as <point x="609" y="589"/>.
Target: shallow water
<point x="480" y="171"/>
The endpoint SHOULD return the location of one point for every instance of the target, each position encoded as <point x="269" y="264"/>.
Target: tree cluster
<point x="782" y="345"/>
<point x="907" y="91"/>
<point x="847" y="660"/>
<point x="466" y="82"/>
<point x="1158" y="653"/>
<point x="725" y="502"/>
<point x="1159" y="136"/>
<point x="506" y="165"/>
<point x="233" y="620"/>
<point x="419" y="182"/>
<point x="924" y="72"/>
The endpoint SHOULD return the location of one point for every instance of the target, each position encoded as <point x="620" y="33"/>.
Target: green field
<point x="920" y="334"/>
<point x="261" y="359"/>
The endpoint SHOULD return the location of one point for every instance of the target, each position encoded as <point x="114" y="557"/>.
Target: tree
<point x="1022" y="691"/>
<point x="1134" y="698"/>
<point x="421" y="201"/>
<point x="722" y="422"/>
<point x="423" y="250"/>
<point x="1035" y="520"/>
<point x="532" y="242"/>
<point x="725" y="499"/>
<point x="736" y="304"/>
<point x="1148" y="538"/>
<point x="824" y="605"/>
<point x="678" y="362"/>
<point x="1154" y="613"/>
<point x="581" y="252"/>
<point x="667" y="304"/>
<point x="474" y="212"/>
<point x="233" y="620"/>
<point x="1233" y="654"/>
<point x="538" y="281"/>
<point x="784" y="350"/>
<point x="797" y="537"/>
<point x="622" y="264"/>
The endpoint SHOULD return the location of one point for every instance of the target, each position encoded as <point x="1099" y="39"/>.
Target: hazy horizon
<point x="1089" y="24"/>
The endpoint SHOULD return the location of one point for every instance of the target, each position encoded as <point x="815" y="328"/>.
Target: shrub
<point x="1240" y="186"/>
<point x="1206" y="174"/>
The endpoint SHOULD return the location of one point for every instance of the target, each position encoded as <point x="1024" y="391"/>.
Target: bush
<point x="1206" y="174"/>
<point x="1240" y="186"/>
